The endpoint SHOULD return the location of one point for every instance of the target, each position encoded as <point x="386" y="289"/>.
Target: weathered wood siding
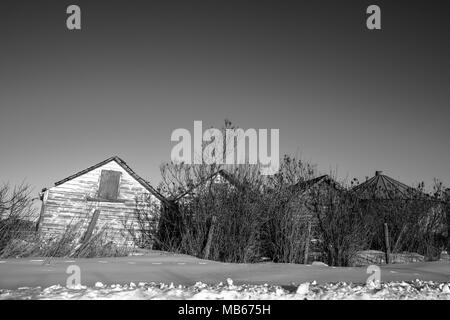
<point x="304" y="209"/>
<point x="67" y="204"/>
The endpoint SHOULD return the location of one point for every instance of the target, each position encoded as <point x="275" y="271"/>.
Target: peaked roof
<point x="305" y="185"/>
<point x="124" y="165"/>
<point x="383" y="187"/>
<point x="227" y="176"/>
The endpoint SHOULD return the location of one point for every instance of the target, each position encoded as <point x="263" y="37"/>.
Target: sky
<point x="348" y="99"/>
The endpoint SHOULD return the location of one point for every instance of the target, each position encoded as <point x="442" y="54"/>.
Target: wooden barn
<point x="102" y="197"/>
<point x="305" y="202"/>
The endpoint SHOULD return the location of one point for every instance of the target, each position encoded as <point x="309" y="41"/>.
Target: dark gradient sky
<point x="342" y="96"/>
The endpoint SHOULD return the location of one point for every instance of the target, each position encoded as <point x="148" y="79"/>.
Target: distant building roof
<point x="123" y="164"/>
<point x="303" y="186"/>
<point x="383" y="187"/>
<point x="220" y="173"/>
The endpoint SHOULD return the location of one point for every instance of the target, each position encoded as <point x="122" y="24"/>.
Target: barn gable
<point x="113" y="163"/>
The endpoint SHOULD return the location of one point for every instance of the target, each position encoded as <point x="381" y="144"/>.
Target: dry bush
<point x="230" y="214"/>
<point x="247" y="216"/>
<point x="100" y="245"/>
<point x="17" y="217"/>
<point x="61" y="245"/>
<point x="66" y="244"/>
<point x="287" y="231"/>
<point x="417" y="224"/>
<point x="446" y="209"/>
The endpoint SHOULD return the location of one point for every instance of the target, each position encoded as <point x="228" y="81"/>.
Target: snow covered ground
<point x="416" y="289"/>
<point x="150" y="276"/>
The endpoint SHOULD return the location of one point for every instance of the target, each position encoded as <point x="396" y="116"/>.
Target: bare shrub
<point x="285" y="233"/>
<point x="342" y="227"/>
<point x="416" y="224"/>
<point x="100" y="245"/>
<point x="17" y="216"/>
<point x="240" y="218"/>
<point x="287" y="230"/>
<point x="142" y="227"/>
<point x="66" y="244"/>
<point x="216" y="220"/>
<point x="446" y="209"/>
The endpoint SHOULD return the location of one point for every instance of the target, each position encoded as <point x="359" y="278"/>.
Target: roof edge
<point x="124" y="165"/>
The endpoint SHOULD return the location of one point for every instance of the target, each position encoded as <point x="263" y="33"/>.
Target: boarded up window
<point x="109" y="185"/>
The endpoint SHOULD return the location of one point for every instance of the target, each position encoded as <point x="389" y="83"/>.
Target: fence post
<point x="308" y="239"/>
<point x="386" y="240"/>
<point x="210" y="238"/>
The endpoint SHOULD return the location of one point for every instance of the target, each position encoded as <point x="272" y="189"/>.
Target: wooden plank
<point x="307" y="241"/>
<point x="386" y="241"/>
<point x="94" y="199"/>
<point x="210" y="238"/>
<point x="91" y="227"/>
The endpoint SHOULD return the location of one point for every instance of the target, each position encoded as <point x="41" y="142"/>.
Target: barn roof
<point x="383" y="187"/>
<point x="303" y="186"/>
<point x="124" y="165"/>
<point x="227" y="176"/>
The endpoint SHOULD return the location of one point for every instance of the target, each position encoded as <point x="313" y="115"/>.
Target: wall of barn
<point x="67" y="204"/>
<point x="303" y="207"/>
